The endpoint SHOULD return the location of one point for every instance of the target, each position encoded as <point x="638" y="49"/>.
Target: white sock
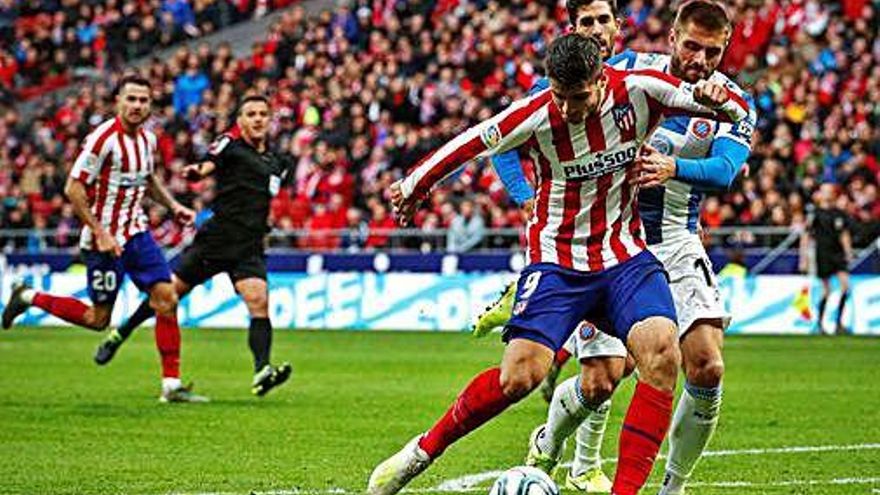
<point x="568" y="409"/>
<point x="27" y="296"/>
<point x="170" y="383"/>
<point x="589" y="440"/>
<point x="693" y="423"/>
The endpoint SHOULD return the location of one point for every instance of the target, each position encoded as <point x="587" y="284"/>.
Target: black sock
<point x="260" y="341"/>
<point x="822" y="309"/>
<point x="841" y="306"/>
<point x="143" y="313"/>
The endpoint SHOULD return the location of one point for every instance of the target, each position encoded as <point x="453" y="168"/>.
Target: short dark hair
<point x="709" y="14"/>
<point x="136" y="79"/>
<point x="573" y="59"/>
<point x="252" y="97"/>
<point x="573" y="6"/>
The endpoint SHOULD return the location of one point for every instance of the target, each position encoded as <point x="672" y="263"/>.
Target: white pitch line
<point x="707" y="484"/>
<point x="467" y="481"/>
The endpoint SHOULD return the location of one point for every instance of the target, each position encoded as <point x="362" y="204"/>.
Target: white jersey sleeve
<point x="94" y="151"/>
<point x="504" y="132"/>
<point x="677" y="97"/>
<point x="740" y="132"/>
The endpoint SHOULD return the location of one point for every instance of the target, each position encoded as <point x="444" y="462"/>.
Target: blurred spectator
<point x="189" y="87"/>
<point x="363" y="92"/>
<point x="47" y="39"/>
<point x="355" y="237"/>
<point x="467" y="229"/>
<point x="379" y="227"/>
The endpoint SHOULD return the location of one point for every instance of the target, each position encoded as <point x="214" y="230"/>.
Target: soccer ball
<point x="524" y="480"/>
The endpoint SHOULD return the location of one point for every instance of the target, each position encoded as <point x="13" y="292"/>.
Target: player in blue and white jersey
<point x="686" y="158"/>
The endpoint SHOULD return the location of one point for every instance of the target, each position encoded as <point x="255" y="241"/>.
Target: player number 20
<point x="103" y="281"/>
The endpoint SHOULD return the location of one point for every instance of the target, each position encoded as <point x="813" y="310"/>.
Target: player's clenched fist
<point x="711" y="94"/>
<point x="106" y="243"/>
<point x="403" y="207"/>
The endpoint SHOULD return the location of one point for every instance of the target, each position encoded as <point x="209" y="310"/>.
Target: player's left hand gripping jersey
<point x="708" y="153"/>
<point x="247" y="180"/>
<point x="584" y="216"/>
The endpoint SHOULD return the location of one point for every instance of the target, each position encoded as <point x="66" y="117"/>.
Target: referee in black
<point x="830" y="227"/>
<point x="248" y="175"/>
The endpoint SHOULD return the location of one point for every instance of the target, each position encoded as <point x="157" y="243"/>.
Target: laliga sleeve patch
<point x="274" y="185"/>
<point x="491" y="136"/>
<point x="91" y="162"/>
<point x="219" y="145"/>
<point x="744" y="128"/>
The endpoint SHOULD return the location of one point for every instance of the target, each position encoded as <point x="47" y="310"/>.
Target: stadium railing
<point x="764" y="249"/>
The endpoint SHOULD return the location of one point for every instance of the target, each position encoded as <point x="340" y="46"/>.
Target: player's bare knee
<point x="257" y="302"/>
<point x="518" y="383"/>
<point x="598" y="389"/>
<point x="706" y="372"/>
<point x="164" y="302"/>
<point x="180" y="287"/>
<point x="655" y="346"/>
<point x="96" y="320"/>
<point x="629" y="366"/>
<point x="517" y="387"/>
<point x="667" y="357"/>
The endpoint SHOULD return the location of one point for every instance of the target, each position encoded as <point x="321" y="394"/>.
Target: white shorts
<point x="694" y="291"/>
<point x="692" y="282"/>
<point x="588" y="341"/>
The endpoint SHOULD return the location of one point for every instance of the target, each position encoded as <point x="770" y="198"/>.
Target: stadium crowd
<point x="363" y="91"/>
<point x="45" y="43"/>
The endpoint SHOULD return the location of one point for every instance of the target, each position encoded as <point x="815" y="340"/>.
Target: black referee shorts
<point x="827" y="266"/>
<point x="202" y="260"/>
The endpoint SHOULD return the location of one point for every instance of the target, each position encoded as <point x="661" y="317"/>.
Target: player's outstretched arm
<point x="509" y="169"/>
<point x="503" y="132"/>
<point x="715" y="172"/>
<point x="675" y="97"/>
<point x="728" y="155"/>
<point x="157" y="191"/>
<point x="198" y="171"/>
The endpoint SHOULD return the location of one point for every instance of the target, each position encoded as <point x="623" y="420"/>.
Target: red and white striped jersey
<point x="586" y="213"/>
<point x="115" y="167"/>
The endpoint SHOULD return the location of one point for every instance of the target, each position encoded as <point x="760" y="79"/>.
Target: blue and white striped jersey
<point x="671" y="212"/>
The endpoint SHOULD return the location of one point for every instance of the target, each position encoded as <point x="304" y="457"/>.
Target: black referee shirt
<point x="246" y="182"/>
<point x="828" y="225"/>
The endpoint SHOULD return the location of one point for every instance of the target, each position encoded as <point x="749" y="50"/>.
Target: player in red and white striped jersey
<point x="114" y="167"/>
<point x="113" y="173"/>
<point x="587" y="256"/>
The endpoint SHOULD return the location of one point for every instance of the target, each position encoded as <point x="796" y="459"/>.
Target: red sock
<point x="67" y="308"/>
<point x="562" y="357"/>
<point x="645" y="426"/>
<point x="479" y="402"/>
<point x="168" y="342"/>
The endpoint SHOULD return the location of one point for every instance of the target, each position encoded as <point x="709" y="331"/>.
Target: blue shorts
<point x="141" y="259"/>
<point x="552" y="300"/>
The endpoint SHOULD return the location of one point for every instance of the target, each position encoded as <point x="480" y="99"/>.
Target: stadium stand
<point x="45" y="43"/>
<point x="353" y="120"/>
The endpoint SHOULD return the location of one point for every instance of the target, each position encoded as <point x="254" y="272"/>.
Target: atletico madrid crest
<point x="624" y="117"/>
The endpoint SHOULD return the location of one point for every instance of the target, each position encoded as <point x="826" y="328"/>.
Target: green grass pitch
<point x="70" y="427"/>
